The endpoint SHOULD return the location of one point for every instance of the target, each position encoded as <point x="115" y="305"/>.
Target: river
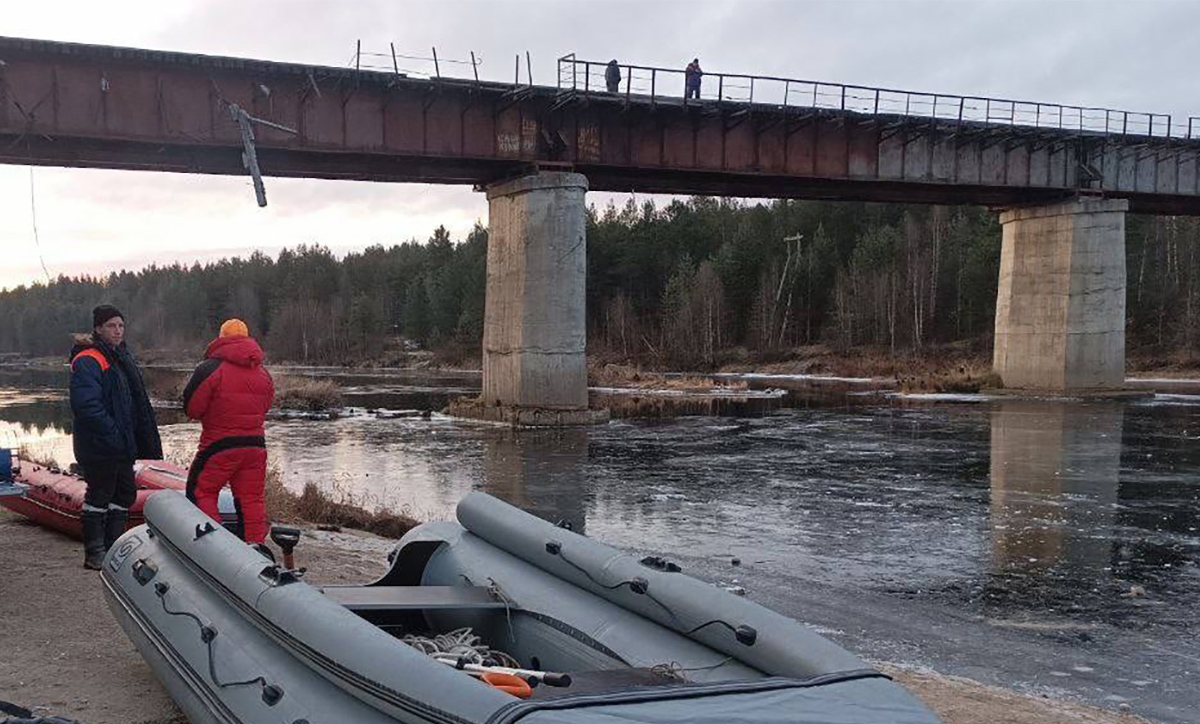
<point x="1046" y="546"/>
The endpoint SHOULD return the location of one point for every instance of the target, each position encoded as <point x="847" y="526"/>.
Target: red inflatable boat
<point x="54" y="498"/>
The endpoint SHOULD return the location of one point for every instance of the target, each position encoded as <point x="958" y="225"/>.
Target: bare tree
<point x="620" y="323"/>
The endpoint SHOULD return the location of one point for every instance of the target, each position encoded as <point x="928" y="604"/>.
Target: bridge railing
<point x="666" y="85"/>
<point x="408" y="65"/>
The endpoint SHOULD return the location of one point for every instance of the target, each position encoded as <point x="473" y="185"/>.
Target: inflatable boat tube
<point x="701" y="611"/>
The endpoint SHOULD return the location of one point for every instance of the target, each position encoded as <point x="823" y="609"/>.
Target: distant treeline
<point x="676" y="285"/>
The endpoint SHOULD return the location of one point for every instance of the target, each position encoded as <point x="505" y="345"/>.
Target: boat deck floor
<point x="371" y="601"/>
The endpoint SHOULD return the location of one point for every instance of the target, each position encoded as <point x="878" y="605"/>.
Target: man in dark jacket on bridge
<point x="230" y="394"/>
<point x="114" y="425"/>
<point x="612" y="76"/>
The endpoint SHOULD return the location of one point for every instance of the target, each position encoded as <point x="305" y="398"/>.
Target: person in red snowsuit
<point x="230" y="393"/>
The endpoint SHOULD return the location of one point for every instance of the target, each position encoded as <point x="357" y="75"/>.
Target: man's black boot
<point x="93" y="539"/>
<point x="114" y="526"/>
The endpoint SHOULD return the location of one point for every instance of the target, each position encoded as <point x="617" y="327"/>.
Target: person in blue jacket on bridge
<point x="114" y="425"/>
<point x="691" y="80"/>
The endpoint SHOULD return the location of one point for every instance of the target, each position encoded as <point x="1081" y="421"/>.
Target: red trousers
<point x="244" y="469"/>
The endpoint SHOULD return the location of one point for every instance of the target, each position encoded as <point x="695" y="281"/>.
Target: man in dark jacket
<point x="230" y="394"/>
<point x="612" y="76"/>
<point x="114" y="425"/>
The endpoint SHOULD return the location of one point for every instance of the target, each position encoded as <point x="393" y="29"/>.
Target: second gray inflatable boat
<point x="572" y="631"/>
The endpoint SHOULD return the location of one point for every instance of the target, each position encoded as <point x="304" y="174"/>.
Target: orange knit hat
<point x="234" y="328"/>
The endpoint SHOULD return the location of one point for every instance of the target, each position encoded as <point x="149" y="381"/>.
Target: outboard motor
<point x="286" y="538"/>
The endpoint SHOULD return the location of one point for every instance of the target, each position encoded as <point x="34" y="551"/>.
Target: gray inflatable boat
<point x="571" y="632"/>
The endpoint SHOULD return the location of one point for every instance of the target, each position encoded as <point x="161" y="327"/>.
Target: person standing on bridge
<point x="612" y="76"/>
<point x="691" y="80"/>
<point x="230" y="394"/>
<point x="114" y="425"/>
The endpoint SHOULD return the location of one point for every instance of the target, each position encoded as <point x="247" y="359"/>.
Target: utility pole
<point x="787" y="312"/>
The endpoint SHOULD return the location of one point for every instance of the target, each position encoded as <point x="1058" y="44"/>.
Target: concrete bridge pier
<point x="535" y="333"/>
<point x="1060" y="305"/>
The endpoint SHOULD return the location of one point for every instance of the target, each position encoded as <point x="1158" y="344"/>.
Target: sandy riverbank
<point x="62" y="653"/>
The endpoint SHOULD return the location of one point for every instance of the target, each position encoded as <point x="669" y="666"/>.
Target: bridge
<point x="1062" y="176"/>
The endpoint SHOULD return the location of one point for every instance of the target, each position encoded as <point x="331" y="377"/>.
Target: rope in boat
<point x="497" y="592"/>
<point x="678" y="672"/>
<point x="464" y="644"/>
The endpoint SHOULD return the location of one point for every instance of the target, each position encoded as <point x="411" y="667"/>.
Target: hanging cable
<point x="33" y="215"/>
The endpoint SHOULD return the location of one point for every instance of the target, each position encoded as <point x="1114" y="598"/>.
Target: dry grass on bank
<point x="688" y="383"/>
<point x="615" y="375"/>
<point x="292" y="392"/>
<point x="663" y="407"/>
<point x="340" y="508"/>
<point x="33" y="455"/>
<point x="1177" y="364"/>
<point x="964" y="378"/>
<point x="456" y="357"/>
<point x="942" y="371"/>
<point x="307" y="394"/>
<point x="959" y="367"/>
<point x="955" y="367"/>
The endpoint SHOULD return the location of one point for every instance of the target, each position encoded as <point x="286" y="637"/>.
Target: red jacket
<point x="230" y="392"/>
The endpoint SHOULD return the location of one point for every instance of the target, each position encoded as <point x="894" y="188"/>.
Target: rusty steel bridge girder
<point x="104" y="107"/>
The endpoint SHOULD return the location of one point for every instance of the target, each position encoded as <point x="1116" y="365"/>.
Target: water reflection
<point x="541" y="471"/>
<point x="416" y="466"/>
<point x="37" y="421"/>
<point x="36" y="418"/>
<point x="34" y="378"/>
<point x="1055" y="473"/>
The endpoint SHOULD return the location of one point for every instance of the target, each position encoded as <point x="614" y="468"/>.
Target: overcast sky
<point x="1135" y="55"/>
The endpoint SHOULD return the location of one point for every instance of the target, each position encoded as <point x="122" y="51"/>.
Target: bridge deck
<point x="97" y="106"/>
